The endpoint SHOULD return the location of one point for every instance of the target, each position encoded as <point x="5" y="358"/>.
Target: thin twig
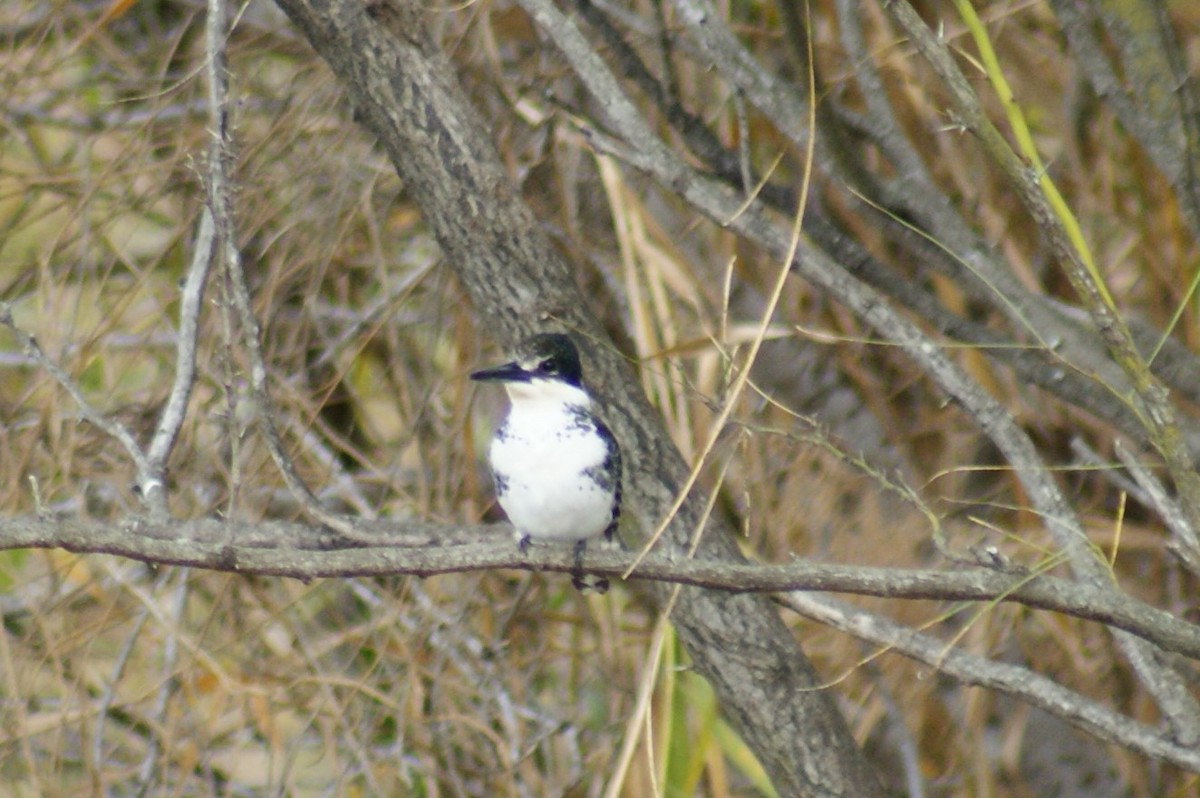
<point x="175" y="409"/>
<point x="115" y="429"/>
<point x="1014" y="680"/>
<point x="148" y="770"/>
<point x="110" y="691"/>
<point x="1168" y="509"/>
<point x="220" y="192"/>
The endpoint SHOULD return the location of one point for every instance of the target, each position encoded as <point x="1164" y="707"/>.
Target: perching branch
<point x="299" y="551"/>
<point x="305" y="552"/>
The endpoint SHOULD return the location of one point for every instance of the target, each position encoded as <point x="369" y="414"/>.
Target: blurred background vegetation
<point x="113" y="674"/>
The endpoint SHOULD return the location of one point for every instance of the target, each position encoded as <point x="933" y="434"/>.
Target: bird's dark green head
<point x="546" y="356"/>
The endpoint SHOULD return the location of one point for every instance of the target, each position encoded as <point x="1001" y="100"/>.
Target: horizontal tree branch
<point x="300" y="551"/>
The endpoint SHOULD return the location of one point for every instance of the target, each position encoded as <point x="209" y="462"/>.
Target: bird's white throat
<point x="539" y="395"/>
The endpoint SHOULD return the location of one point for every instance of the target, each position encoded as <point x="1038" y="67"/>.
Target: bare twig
<point x="1160" y="500"/>
<point x="1019" y="682"/>
<point x="175" y="409"/>
<point x="99" y="759"/>
<point x="148" y="770"/>
<point x="113" y="428"/>
<point x="220" y="192"/>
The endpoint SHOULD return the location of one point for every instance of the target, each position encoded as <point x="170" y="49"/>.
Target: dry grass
<point x="494" y="684"/>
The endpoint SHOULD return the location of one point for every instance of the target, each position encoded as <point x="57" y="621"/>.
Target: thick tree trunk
<point x="406" y="92"/>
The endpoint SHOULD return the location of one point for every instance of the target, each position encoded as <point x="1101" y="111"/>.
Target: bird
<point x="555" y="464"/>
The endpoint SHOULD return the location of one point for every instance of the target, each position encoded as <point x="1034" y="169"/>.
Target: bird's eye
<point x="547" y="366"/>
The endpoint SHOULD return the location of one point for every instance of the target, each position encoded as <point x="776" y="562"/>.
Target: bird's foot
<point x="522" y="543"/>
<point x="586" y="583"/>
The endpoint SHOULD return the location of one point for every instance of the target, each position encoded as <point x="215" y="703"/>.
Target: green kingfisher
<point x="556" y="466"/>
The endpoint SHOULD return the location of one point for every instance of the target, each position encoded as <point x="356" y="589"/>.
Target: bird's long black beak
<point x="509" y="372"/>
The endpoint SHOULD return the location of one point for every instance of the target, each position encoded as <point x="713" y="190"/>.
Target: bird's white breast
<point x="545" y="458"/>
